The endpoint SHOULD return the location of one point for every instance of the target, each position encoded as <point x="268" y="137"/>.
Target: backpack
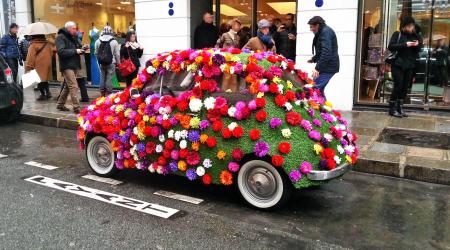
<point x="104" y="54"/>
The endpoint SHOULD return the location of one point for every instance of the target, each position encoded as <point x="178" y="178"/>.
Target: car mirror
<point x="134" y="93"/>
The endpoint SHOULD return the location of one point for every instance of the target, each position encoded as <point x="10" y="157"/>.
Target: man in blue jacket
<point x="325" y="50"/>
<point x="9" y="48"/>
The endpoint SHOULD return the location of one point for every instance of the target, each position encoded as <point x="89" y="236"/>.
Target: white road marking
<point x="101" y="179"/>
<point x="3" y="156"/>
<point x="115" y="199"/>
<point x="180" y="197"/>
<point x="40" y="165"/>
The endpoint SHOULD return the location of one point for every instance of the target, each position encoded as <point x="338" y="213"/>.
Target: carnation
<point x="200" y="171"/>
<point x="314" y="135"/>
<point x="277" y="160"/>
<point x="159" y="148"/>
<point x="254" y="134"/>
<point x="237" y="154"/>
<point x="207" y="163"/>
<point x="231" y="111"/>
<point x="209" y="102"/>
<point x="232" y="126"/>
<point x="275" y="122"/>
<point x="207" y="179"/>
<point x="233" y="167"/>
<point x="261" y="148"/>
<point x="306" y="125"/>
<point x="305" y="167"/>
<point x="286" y="133"/>
<point x="295" y="175"/>
<point x="284" y="147"/>
<point x="195" y="105"/>
<point x="183" y="144"/>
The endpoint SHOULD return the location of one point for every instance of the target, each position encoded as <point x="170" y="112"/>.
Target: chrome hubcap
<point x="261" y="183"/>
<point x="102" y="154"/>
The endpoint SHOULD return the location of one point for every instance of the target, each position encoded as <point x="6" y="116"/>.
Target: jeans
<point x="402" y="80"/>
<point x="70" y="88"/>
<point x="83" y="90"/>
<point x="322" y="81"/>
<point x="106" y="74"/>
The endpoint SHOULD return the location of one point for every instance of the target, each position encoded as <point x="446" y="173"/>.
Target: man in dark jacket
<point x="206" y="34"/>
<point x="326" y="55"/>
<point x="9" y="48"/>
<point x="285" y="38"/>
<point x="69" y="51"/>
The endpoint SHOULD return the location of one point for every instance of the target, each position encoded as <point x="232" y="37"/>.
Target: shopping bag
<point x="30" y="78"/>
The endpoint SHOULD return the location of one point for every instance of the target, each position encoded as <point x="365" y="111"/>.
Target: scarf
<point x="265" y="39"/>
<point x="134" y="45"/>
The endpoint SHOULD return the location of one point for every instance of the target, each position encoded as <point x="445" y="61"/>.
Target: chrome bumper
<point x="317" y="175"/>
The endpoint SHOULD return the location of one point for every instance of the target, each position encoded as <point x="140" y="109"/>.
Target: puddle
<point x="415" y="138"/>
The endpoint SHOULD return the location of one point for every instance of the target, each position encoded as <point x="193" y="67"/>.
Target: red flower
<point x="166" y="153"/>
<point x="224" y="110"/>
<point x="124" y="123"/>
<point x="183" y="153"/>
<point x="353" y="159"/>
<point x="213" y="115"/>
<point x="235" y="51"/>
<point x="293" y="118"/>
<point x="280" y="100"/>
<point x="238" y="131"/>
<point x="150" y="147"/>
<point x="166" y="124"/>
<point x="207" y="179"/>
<point x="328" y="153"/>
<point x="272" y="59"/>
<point x="226" y="133"/>
<point x="182" y="105"/>
<point x="237" y="154"/>
<point x="336" y="113"/>
<point x="290" y="95"/>
<point x="277" y="160"/>
<point x="273" y="88"/>
<point x="284" y="147"/>
<point x="211" y="142"/>
<point x="260" y="102"/>
<point x="261" y="115"/>
<point x="134" y="138"/>
<point x="331" y="164"/>
<point x="193" y="158"/>
<point x="154" y="132"/>
<point x="255" y="134"/>
<point x="217" y="126"/>
<point x="147" y="131"/>
<point x="169" y="144"/>
<point x="226" y="178"/>
<point x="162" y="161"/>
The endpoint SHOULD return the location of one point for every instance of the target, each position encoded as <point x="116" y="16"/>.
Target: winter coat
<point x="256" y="44"/>
<point x="9" y="47"/>
<point x="134" y="54"/>
<point x="228" y="40"/>
<point x="205" y="36"/>
<point x="286" y="46"/>
<point x="66" y="46"/>
<point x="325" y="46"/>
<point x="42" y="61"/>
<point x="115" y="48"/>
<point x="24" y="44"/>
<point x="406" y="56"/>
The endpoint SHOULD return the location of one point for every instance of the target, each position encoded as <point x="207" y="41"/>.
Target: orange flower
<point x="182" y="166"/>
<point x="221" y="154"/>
<point x="185" y="121"/>
<point x="226" y="178"/>
<point x="195" y="146"/>
<point x="203" y="138"/>
<point x="141" y="126"/>
<point x="115" y="145"/>
<point x="126" y="163"/>
<point x="313" y="104"/>
<point x="254" y="88"/>
<point x="152" y="120"/>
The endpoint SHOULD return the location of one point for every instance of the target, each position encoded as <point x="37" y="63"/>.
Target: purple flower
<point x="344" y="142"/>
<point x="323" y="164"/>
<point x="317" y="123"/>
<point x="325" y="142"/>
<point x="311" y="112"/>
<point x="204" y="124"/>
<point x="191" y="175"/>
<point x="261" y="148"/>
<point x="275" y="122"/>
<point x="193" y="136"/>
<point x="119" y="164"/>
<point x="305" y="167"/>
<point x="327" y="117"/>
<point x="245" y="50"/>
<point x="218" y="59"/>
<point x="315" y="135"/>
<point x="233" y="167"/>
<point x="140" y="147"/>
<point x="306" y="125"/>
<point x="173" y="166"/>
<point x="295" y="175"/>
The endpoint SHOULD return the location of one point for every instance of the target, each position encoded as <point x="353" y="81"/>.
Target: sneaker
<point x="62" y="108"/>
<point x="76" y="110"/>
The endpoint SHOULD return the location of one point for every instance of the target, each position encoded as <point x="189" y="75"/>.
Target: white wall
<point x="23" y="12"/>
<point x="342" y="16"/>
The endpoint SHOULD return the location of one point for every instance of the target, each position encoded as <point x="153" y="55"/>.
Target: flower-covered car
<point x="223" y="117"/>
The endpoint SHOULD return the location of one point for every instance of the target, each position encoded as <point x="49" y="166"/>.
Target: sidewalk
<point x="416" y="148"/>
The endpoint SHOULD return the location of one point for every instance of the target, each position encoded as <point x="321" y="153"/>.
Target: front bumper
<point x="317" y="175"/>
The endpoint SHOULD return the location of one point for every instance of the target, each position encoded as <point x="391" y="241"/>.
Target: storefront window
<point x="230" y="9"/>
<point x="380" y="19"/>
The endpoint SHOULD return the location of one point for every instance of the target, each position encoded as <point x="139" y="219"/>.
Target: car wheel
<point x="262" y="186"/>
<point x="100" y="156"/>
<point x="10" y="114"/>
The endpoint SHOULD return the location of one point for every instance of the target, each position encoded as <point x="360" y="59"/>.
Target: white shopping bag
<point x="30" y="78"/>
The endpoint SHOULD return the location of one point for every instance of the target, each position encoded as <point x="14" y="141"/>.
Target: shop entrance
<point x="380" y="19"/>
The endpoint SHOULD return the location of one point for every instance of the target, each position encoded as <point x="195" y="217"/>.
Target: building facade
<point x="363" y="29"/>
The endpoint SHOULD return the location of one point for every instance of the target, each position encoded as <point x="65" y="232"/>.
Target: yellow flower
<point x="119" y="108"/>
<point x="127" y="112"/>
<point x="348" y="158"/>
<point x="203" y="138"/>
<point x="153" y="120"/>
<point x="80" y="120"/>
<point x="141" y="135"/>
<point x="194" y="122"/>
<point x="235" y="59"/>
<point x="276" y="80"/>
<point x="260" y="95"/>
<point x="221" y="154"/>
<point x="318" y="148"/>
<point x="289" y="84"/>
<point x="199" y="59"/>
<point x="146" y="118"/>
<point x="182" y="166"/>
<point x="329" y="104"/>
<point x="121" y="133"/>
<point x="195" y="146"/>
<point x="228" y="57"/>
<point x="100" y="101"/>
<point x="155" y="63"/>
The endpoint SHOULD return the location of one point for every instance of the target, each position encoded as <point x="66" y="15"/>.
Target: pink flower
<point x="305" y="167"/>
<point x="233" y="167"/>
<point x="315" y="135"/>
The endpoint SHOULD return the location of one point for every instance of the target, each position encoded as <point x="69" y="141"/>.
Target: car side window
<point x="233" y="88"/>
<point x="171" y="82"/>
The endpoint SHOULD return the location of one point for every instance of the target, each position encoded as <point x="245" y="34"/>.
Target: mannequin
<point x="95" y="70"/>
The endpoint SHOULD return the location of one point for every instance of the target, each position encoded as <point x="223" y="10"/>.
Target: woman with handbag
<point x="39" y="57"/>
<point x="131" y="51"/>
<point x="405" y="47"/>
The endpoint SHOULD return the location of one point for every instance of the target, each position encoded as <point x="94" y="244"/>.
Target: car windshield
<point x="176" y="82"/>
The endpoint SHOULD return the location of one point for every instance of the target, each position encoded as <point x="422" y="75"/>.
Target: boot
<point x="393" y="109"/>
<point x="61" y="107"/>
<point x="42" y="91"/>
<point x="48" y="94"/>
<point x="103" y="93"/>
<point x="400" y="108"/>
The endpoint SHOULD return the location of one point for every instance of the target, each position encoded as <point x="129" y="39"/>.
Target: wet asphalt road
<point x="359" y="211"/>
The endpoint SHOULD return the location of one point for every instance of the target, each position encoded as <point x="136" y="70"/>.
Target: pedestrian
<point x="325" y="51"/>
<point x="263" y="41"/>
<point x="206" y="34"/>
<point x="107" y="51"/>
<point x="230" y="39"/>
<point x="441" y="67"/>
<point x="69" y="51"/>
<point x="285" y="37"/>
<point x="223" y="28"/>
<point x="132" y="50"/>
<point x="9" y="48"/>
<point x="81" y="78"/>
<point x="244" y="35"/>
<point x="24" y="44"/>
<point x="406" y="43"/>
<point x="39" y="58"/>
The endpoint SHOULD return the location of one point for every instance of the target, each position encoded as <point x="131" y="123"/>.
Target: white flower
<point x="159" y="170"/>
<point x="263" y="81"/>
<point x="165" y="117"/>
<point x="340" y="149"/>
<point x="147" y="100"/>
<point x="195" y="105"/>
<point x="209" y="102"/>
<point x="288" y="106"/>
<point x="280" y="88"/>
<point x="298" y="102"/>
<point x="284" y="65"/>
<point x="231" y="111"/>
<point x="177" y="135"/>
<point x="232" y="126"/>
<point x="200" y="171"/>
<point x="171" y="133"/>
<point x="135" y="130"/>
<point x="169" y="58"/>
<point x="159" y="148"/>
<point x="183" y="144"/>
<point x="116" y="100"/>
<point x="184" y="134"/>
<point x="207" y="163"/>
<point x="162" y="138"/>
<point x="151" y="70"/>
<point x="327" y="136"/>
<point x="91" y="107"/>
<point x="133" y="150"/>
<point x="337" y="159"/>
<point x="350" y="148"/>
<point x="151" y="169"/>
<point x="286" y="132"/>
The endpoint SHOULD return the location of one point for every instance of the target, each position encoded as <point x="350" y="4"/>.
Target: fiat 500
<point x="221" y="117"/>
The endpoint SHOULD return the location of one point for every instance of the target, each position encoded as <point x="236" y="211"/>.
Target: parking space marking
<point x="102" y="179"/>
<point x="40" y="165"/>
<point x="3" y="156"/>
<point x="115" y="199"/>
<point x="179" y="197"/>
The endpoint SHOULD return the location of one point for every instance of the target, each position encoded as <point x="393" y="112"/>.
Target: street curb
<point x="371" y="166"/>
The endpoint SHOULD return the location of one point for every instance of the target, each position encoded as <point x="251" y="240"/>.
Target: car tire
<point x="101" y="156"/>
<point x="9" y="115"/>
<point x="262" y="186"/>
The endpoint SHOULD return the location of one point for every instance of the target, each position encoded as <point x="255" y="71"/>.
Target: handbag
<point x="30" y="78"/>
<point x="127" y="66"/>
<point x="392" y="56"/>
